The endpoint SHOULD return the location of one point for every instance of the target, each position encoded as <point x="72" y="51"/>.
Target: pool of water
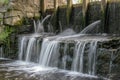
<point x="19" y="70"/>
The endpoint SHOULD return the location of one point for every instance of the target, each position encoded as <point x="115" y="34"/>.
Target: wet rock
<point x="113" y="18"/>
<point x="62" y="19"/>
<point x="13" y="17"/>
<point x="25" y="29"/>
<point x="77" y="18"/>
<point x="93" y="8"/>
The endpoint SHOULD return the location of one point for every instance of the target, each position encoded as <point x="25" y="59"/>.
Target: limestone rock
<point x="18" y="9"/>
<point x="12" y="17"/>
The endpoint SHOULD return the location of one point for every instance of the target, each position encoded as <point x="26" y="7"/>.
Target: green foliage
<point x="5" y="34"/>
<point x="1" y="19"/>
<point x="79" y="1"/>
<point x="4" y="1"/>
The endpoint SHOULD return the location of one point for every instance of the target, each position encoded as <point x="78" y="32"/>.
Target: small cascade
<point x="93" y="28"/>
<point x="50" y="49"/>
<point x="47" y="54"/>
<point x="38" y="26"/>
<point x="30" y="44"/>
<point x="64" y="58"/>
<point x="30" y="49"/>
<point x="92" y="57"/>
<point x="22" y="47"/>
<point x="78" y="60"/>
<point x="77" y="64"/>
<point x="45" y="18"/>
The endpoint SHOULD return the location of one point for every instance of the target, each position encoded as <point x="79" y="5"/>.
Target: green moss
<point x="4" y="1"/>
<point x="23" y="21"/>
<point x="19" y="23"/>
<point x="1" y="19"/>
<point x="37" y="17"/>
<point x="5" y="34"/>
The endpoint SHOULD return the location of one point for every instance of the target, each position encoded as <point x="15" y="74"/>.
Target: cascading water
<point x="48" y="51"/>
<point x="30" y="44"/>
<point x="78" y="56"/>
<point x="48" y="54"/>
<point x="64" y="58"/>
<point x="29" y="48"/>
<point x="92" y="28"/>
<point x="78" y="61"/>
<point x="50" y="47"/>
<point x="38" y="26"/>
<point x="67" y="50"/>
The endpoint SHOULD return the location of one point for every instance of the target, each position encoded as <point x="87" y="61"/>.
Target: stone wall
<point x="17" y="9"/>
<point x="14" y="12"/>
<point x="94" y="12"/>
<point x="77" y="18"/>
<point x="50" y="3"/>
<point x="112" y="18"/>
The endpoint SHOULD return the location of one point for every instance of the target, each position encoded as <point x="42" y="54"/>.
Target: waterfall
<point x="77" y="64"/>
<point x="45" y="18"/>
<point x="92" y="57"/>
<point x="38" y="26"/>
<point x="64" y="58"/>
<point x="29" y="44"/>
<point x="30" y="49"/>
<point x="92" y="28"/>
<point x="47" y="54"/>
<point x="51" y="48"/>
<point x="78" y="60"/>
<point x="22" y="47"/>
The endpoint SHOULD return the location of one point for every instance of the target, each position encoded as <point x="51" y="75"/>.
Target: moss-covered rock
<point x="2" y="2"/>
